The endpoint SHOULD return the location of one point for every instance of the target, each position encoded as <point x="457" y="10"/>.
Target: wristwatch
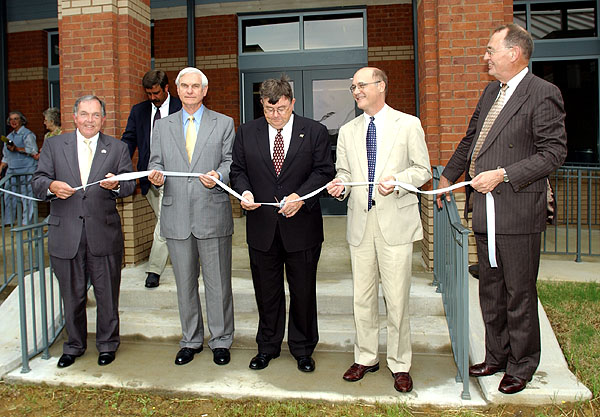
<point x="505" y="175"/>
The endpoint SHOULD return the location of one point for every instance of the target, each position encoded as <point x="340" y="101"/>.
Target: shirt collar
<point x="379" y="115"/>
<point x="514" y="81"/>
<point x="286" y="130"/>
<point x="197" y="114"/>
<point x="81" y="138"/>
<point x="165" y="103"/>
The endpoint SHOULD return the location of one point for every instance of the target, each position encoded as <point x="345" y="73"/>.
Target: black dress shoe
<point x="483" y="369"/>
<point x="512" y="384"/>
<point x="261" y="361"/>
<point x="221" y="356"/>
<point x="186" y="355"/>
<point x="104" y="358"/>
<point x="66" y="360"/>
<point x="306" y="363"/>
<point x="152" y="280"/>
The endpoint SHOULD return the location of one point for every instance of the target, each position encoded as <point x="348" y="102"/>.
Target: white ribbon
<point x="489" y="199"/>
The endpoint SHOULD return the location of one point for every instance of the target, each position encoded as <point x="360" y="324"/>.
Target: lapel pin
<point x="301" y="135"/>
<point x="103" y="151"/>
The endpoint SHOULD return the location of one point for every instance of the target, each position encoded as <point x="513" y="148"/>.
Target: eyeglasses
<point x="491" y="52"/>
<point x="273" y="110"/>
<point x="361" y="86"/>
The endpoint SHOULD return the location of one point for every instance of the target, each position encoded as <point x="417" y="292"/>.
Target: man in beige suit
<point x="381" y="145"/>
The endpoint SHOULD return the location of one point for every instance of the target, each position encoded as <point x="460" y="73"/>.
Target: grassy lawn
<point x="573" y="310"/>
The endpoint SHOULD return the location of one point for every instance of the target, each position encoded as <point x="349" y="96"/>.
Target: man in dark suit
<point x="138" y="134"/>
<point x="515" y="139"/>
<point x="283" y="155"/>
<point x="84" y="228"/>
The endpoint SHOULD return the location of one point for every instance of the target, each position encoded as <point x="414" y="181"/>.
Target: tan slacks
<point x="371" y="259"/>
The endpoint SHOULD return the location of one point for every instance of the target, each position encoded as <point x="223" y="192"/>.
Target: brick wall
<point x="27" y="57"/>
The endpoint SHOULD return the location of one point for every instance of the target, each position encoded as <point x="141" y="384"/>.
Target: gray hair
<point x="517" y="36"/>
<point x="52" y="114"/>
<point x="272" y="89"/>
<point x="89" y="97"/>
<point x="191" y="70"/>
<point x="21" y="116"/>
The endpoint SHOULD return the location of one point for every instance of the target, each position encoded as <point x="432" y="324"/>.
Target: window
<point x="558" y="20"/>
<point x="272" y="34"/>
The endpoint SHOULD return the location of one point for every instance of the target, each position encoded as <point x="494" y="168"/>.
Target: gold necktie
<point x="485" y="129"/>
<point x="190" y="137"/>
<point x="87" y="163"/>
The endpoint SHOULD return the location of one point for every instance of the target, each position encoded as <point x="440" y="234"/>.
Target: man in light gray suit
<point x="196" y="215"/>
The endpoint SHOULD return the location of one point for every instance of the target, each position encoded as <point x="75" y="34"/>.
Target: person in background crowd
<point x="52" y="122"/>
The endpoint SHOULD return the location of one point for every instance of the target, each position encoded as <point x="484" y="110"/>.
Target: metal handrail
<point x="46" y="309"/>
<point x="450" y="274"/>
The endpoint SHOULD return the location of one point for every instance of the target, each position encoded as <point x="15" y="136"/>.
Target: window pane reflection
<point x="563" y="20"/>
<point x="333" y="31"/>
<point x="267" y="35"/>
<point x="333" y="105"/>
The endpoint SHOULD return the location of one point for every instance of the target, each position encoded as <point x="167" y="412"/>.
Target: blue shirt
<point x="197" y="118"/>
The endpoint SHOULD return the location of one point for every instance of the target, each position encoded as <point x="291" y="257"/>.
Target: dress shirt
<point x="286" y="132"/>
<point x="513" y="83"/>
<point x="164" y="112"/>
<point x="82" y="148"/>
<point x="197" y="118"/>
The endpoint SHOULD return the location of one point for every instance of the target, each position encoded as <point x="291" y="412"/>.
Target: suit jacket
<point x="188" y="206"/>
<point x="401" y="152"/>
<point x="137" y="134"/>
<point x="528" y="140"/>
<point x="94" y="205"/>
<point x="307" y="166"/>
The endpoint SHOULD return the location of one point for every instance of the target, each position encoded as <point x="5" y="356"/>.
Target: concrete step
<point x="336" y="331"/>
<point x="334" y="293"/>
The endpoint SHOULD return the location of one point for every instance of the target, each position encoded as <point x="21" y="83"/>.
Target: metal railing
<point x="40" y="306"/>
<point x="11" y="211"/>
<point x="450" y="274"/>
<point x="577" y="226"/>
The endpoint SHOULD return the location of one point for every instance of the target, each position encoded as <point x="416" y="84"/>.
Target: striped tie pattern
<point x="487" y="124"/>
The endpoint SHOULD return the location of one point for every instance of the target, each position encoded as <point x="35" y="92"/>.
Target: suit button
<point x="510" y="145"/>
<point x="279" y="187"/>
<point x="190" y="179"/>
<point x="81" y="217"/>
<point x="497" y="191"/>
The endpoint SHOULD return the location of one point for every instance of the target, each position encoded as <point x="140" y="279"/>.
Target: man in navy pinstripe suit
<point x="525" y="143"/>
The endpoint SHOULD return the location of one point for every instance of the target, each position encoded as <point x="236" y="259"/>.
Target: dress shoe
<point x="221" y="356"/>
<point x="66" y="360"/>
<point x="104" y="358"/>
<point x="483" y="369"/>
<point x="186" y="355"/>
<point x="152" y="280"/>
<point x="512" y="384"/>
<point x="306" y="363"/>
<point x="402" y="382"/>
<point x="356" y="372"/>
<point x="261" y="361"/>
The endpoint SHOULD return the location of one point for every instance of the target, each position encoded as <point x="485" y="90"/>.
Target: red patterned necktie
<point x="278" y="153"/>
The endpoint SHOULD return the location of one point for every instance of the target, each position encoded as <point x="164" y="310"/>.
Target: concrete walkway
<point x="149" y="364"/>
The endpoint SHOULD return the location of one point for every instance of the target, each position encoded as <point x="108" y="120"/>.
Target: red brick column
<point x="452" y="39"/>
<point x="105" y="50"/>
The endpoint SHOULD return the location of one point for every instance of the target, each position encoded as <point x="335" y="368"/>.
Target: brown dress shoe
<point x="483" y="369"/>
<point x="402" y="382"/>
<point x="512" y="384"/>
<point x="356" y="372"/>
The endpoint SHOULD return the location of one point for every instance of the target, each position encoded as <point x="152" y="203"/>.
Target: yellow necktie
<point x="87" y="164"/>
<point x="190" y="137"/>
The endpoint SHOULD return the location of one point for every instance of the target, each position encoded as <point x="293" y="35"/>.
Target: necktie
<point x="190" y="138"/>
<point x="487" y="124"/>
<point x="278" y="152"/>
<point x="156" y="116"/>
<point x="87" y="163"/>
<point x="371" y="157"/>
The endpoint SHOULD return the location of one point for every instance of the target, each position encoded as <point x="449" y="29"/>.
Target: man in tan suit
<point x="381" y="145"/>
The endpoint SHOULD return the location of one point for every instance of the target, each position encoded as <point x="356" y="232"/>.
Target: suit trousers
<point x="159" y="253"/>
<point x="371" y="259"/>
<point x="509" y="303"/>
<point x="267" y="277"/>
<point x="105" y="275"/>
<point x="215" y="256"/>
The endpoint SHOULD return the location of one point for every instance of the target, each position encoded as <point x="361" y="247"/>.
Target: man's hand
<point x="290" y="208"/>
<point x="442" y="184"/>
<point x="251" y="205"/>
<point x="109" y="185"/>
<point x="36" y="156"/>
<point x="61" y="189"/>
<point x="156" y="178"/>
<point x="386" y="189"/>
<point x="487" y="180"/>
<point x="334" y="188"/>
<point x="206" y="179"/>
